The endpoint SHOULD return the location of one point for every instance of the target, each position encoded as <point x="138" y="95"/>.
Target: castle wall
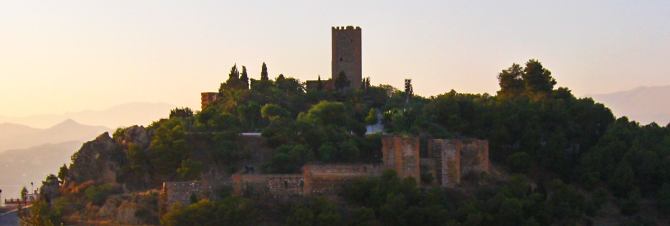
<point x="181" y="192"/>
<point x="402" y="155"/>
<point x="329" y="179"/>
<point x="475" y="157"/>
<point x="346" y="54"/>
<point x="448" y="155"/>
<point x="268" y="185"/>
<point x="458" y="157"/>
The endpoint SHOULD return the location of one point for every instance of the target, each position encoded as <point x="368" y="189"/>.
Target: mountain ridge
<point x="643" y="104"/>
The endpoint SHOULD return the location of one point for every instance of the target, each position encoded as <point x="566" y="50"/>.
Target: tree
<point x="24" y="193"/>
<point x="272" y="112"/>
<point x="371" y="118"/>
<point x="341" y="82"/>
<point x="181" y="113"/>
<point x="244" y="77"/>
<point x="264" y="72"/>
<point x="511" y="81"/>
<point x="537" y="79"/>
<point x="62" y="172"/>
<point x="409" y="91"/>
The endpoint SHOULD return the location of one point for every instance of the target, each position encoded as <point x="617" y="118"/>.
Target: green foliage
<point x="24" y="193"/>
<point x="62" y="172"/>
<point x="189" y="169"/>
<point x="371" y="118"/>
<point x="272" y="112"/>
<point x="519" y="162"/>
<point x="181" y="113"/>
<point x="341" y="82"/>
<point x="663" y="198"/>
<point x="97" y="194"/>
<point x="289" y="159"/>
<point x="230" y="211"/>
<point x="168" y="148"/>
<point x="314" y="212"/>
<point x="41" y="214"/>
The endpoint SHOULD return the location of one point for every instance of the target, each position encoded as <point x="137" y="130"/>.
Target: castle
<point x="444" y="161"/>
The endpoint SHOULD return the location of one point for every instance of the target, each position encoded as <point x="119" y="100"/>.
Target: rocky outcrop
<point x="131" y="209"/>
<point x="98" y="160"/>
<point x="136" y="135"/>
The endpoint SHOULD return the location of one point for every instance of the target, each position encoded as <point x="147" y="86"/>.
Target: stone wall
<point x="316" y="179"/>
<point x="402" y="155"/>
<point x="475" y="156"/>
<point x="268" y="185"/>
<point x="329" y="179"/>
<point x="181" y="192"/>
<point x="458" y="157"/>
<point x="347" y="54"/>
<point x="448" y="155"/>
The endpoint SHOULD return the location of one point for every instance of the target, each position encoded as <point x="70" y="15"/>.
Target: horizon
<point x="78" y="56"/>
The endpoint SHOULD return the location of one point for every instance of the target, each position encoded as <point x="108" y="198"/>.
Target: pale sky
<point x="63" y="56"/>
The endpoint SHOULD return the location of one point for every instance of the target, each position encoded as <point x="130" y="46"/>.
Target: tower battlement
<point x="346" y="28"/>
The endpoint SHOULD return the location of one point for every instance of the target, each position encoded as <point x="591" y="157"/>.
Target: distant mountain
<point x="642" y="104"/>
<point x="19" y="167"/>
<point x="139" y="113"/>
<point x="15" y="136"/>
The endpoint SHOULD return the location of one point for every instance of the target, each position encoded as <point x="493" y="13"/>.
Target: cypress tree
<point x="264" y="72"/>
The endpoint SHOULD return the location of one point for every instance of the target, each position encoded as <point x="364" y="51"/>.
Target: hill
<point x="644" y="104"/>
<point x="16" y="136"/>
<point x="137" y="113"/>
<point x="19" y="167"/>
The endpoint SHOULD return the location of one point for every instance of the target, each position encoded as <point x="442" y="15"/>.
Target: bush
<point x="97" y="194"/>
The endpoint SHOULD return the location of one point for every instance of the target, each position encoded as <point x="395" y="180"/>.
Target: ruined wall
<point x="346" y="54"/>
<point x="329" y="179"/>
<point x="207" y="98"/>
<point x="268" y="185"/>
<point x="458" y="157"/>
<point x="475" y="156"/>
<point x="181" y="192"/>
<point x="447" y="154"/>
<point x="402" y="155"/>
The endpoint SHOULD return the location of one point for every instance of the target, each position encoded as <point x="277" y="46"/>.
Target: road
<point x="9" y="219"/>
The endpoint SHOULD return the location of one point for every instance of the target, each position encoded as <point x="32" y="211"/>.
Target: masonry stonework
<point x="181" y="192"/>
<point x="402" y="155"/>
<point x="458" y="157"/>
<point x="347" y="54"/>
<point x="268" y="185"/>
<point x="329" y="179"/>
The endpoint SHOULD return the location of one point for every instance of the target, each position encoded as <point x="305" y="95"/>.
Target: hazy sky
<point x="60" y="56"/>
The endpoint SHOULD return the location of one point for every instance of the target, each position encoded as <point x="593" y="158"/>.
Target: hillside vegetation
<point x="569" y="161"/>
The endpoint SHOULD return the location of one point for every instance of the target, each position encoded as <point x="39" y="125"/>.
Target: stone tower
<point x="347" y="54"/>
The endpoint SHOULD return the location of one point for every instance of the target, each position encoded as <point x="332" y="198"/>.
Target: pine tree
<point x="244" y="78"/>
<point x="234" y="73"/>
<point x="264" y="72"/>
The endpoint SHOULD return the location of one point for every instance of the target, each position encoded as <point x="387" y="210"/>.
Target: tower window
<point x="340" y="59"/>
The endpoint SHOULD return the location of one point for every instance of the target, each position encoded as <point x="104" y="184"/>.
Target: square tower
<point x="347" y="54"/>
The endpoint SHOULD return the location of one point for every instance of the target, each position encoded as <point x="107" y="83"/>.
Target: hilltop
<point x="556" y="159"/>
